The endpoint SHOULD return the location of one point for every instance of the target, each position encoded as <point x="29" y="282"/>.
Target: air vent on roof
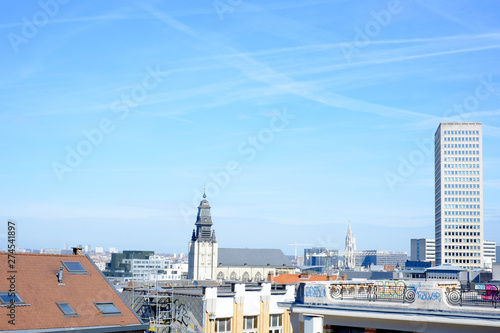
<point x="60" y="276"/>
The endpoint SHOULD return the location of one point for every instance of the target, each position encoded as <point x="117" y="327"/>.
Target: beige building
<point x="228" y="308"/>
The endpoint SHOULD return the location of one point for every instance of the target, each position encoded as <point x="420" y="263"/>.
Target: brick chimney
<point x="77" y="251"/>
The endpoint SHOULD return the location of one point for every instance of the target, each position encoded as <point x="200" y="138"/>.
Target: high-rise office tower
<point x="458" y="184"/>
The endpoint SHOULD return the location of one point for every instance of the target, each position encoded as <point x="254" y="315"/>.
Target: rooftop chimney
<point x="77" y="251"/>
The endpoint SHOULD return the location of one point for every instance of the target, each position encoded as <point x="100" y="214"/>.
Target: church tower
<point x="203" y="247"/>
<point x="350" y="248"/>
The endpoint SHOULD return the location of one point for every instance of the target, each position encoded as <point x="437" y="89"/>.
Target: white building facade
<point x="459" y="225"/>
<point x="490" y="253"/>
<point x="156" y="268"/>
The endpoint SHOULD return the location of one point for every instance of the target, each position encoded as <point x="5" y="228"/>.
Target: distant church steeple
<point x="204" y="221"/>
<point x="203" y="247"/>
<point x="350" y="248"/>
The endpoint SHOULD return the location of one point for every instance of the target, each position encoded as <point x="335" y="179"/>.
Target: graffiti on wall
<point x="388" y="288"/>
<point x="315" y="291"/>
<point x="186" y="312"/>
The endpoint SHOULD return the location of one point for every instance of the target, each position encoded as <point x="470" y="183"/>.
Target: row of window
<point x="462" y="199"/>
<point x="462" y="261"/>
<point x="461" y="240"/>
<point x="462" y="206"/>
<point x="461" y="152"/>
<point x="460" y="132"/>
<point x="461" y="213"/>
<point x="462" y="192"/>
<point x="461" y="145"/>
<point x="461" y="186"/>
<point x="106" y="308"/>
<point x="462" y="247"/>
<point x="462" y="254"/>
<point x="461" y="179"/>
<point x="462" y="166"/>
<point x="460" y="233"/>
<point x="250" y="324"/>
<point x="245" y="277"/>
<point x="461" y="159"/>
<point x="460" y="226"/>
<point x="454" y="219"/>
<point x="460" y="172"/>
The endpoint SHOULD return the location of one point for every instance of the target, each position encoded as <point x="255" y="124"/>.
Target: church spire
<point x="350" y="248"/>
<point x="204" y="221"/>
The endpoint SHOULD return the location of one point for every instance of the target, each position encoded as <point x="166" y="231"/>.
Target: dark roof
<point x="253" y="257"/>
<point x="37" y="285"/>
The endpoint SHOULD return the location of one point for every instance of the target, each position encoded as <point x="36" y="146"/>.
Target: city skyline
<point x="295" y="117"/>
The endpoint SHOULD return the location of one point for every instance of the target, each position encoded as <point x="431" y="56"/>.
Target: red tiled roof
<point x="37" y="284"/>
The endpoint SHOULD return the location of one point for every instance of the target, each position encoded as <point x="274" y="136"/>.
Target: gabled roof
<point x="36" y="283"/>
<point x="253" y="257"/>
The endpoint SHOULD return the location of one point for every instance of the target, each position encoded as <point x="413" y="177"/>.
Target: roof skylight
<point x="66" y="309"/>
<point x="108" y="309"/>
<point x="74" y="267"/>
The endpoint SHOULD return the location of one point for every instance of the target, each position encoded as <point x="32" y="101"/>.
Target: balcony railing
<point x="372" y="293"/>
<point x="473" y="297"/>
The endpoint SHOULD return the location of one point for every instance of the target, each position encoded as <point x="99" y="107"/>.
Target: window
<point x="223" y="325"/>
<point x="74" y="267"/>
<point x="108" y="309"/>
<point x="67" y="310"/>
<point x="250" y="324"/>
<point x="275" y="323"/>
<point x="9" y="297"/>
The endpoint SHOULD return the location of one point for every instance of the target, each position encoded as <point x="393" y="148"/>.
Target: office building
<point x="459" y="195"/>
<point x="423" y="249"/>
<point x="321" y="256"/>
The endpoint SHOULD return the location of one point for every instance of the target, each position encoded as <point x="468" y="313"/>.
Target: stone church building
<point x="208" y="262"/>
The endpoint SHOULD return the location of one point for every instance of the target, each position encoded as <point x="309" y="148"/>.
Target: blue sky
<point x="296" y="116"/>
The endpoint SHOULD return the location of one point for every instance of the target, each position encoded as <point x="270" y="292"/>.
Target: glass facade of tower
<point x="459" y="195"/>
